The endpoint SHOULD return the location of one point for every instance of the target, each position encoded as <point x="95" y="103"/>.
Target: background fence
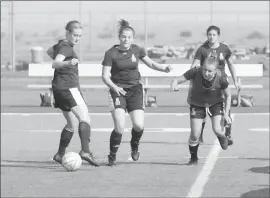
<point x="243" y="24"/>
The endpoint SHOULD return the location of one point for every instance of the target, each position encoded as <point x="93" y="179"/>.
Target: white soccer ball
<point x="72" y="161"/>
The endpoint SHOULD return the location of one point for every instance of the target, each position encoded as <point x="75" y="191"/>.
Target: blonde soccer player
<point x="206" y="97"/>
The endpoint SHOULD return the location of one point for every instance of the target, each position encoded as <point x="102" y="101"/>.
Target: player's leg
<point x="137" y="118"/>
<point x="197" y="114"/>
<point x="135" y="107"/>
<point x="216" y="112"/>
<point x="66" y="135"/>
<point x="117" y="105"/>
<point x="201" y="136"/>
<point x="80" y="110"/>
<point x="228" y="130"/>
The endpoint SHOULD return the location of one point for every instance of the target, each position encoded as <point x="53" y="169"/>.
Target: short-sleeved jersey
<point x="124" y="65"/>
<point x="223" y="53"/>
<point x="205" y="93"/>
<point x="65" y="77"/>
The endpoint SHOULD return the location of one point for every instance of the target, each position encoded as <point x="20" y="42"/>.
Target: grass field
<point x="28" y="171"/>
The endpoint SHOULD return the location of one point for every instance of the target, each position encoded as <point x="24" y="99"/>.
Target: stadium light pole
<point x="12" y="40"/>
<point x="145" y="24"/>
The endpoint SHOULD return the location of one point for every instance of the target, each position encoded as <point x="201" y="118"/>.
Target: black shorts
<point x="200" y="112"/>
<point x="65" y="99"/>
<point x="133" y="100"/>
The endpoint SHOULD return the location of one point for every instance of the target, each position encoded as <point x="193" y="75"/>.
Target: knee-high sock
<point x="84" y="133"/>
<point x="193" y="148"/>
<point x="135" y="138"/>
<point x="115" y="141"/>
<point x="66" y="136"/>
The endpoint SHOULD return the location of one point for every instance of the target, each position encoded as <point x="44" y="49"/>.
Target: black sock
<point x="203" y="124"/>
<point x="115" y="141"/>
<point x="193" y="151"/>
<point x="135" y="138"/>
<point x="66" y="136"/>
<point x="228" y="127"/>
<point x="84" y="133"/>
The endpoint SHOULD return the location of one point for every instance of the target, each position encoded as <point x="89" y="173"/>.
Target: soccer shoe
<point x="135" y="154"/>
<point x="58" y="158"/>
<point x="193" y="161"/>
<point x="89" y="158"/>
<point x="111" y="160"/>
<point x="223" y="141"/>
<point x="230" y="140"/>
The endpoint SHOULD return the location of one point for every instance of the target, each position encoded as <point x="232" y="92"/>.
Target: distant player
<point x="67" y="93"/>
<point x="223" y="53"/>
<point x="121" y="75"/>
<point x="206" y="97"/>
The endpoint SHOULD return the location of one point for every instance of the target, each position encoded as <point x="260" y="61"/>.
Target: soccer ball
<point x="72" y="161"/>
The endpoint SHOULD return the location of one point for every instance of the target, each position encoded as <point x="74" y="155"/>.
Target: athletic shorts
<point x="200" y="112"/>
<point x="65" y="99"/>
<point x="133" y="100"/>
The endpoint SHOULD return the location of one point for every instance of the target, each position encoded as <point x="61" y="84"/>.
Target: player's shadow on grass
<point x="120" y="163"/>
<point x="265" y="169"/>
<point x="262" y="193"/>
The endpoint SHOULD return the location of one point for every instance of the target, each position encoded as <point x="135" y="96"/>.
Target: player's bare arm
<point x="59" y="62"/>
<point x="196" y="62"/>
<point x="154" y="65"/>
<point x="233" y="72"/>
<point x="106" y="77"/>
<point x="176" y="82"/>
<point x="227" y="94"/>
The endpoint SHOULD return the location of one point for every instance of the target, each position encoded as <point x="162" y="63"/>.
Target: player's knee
<point x="119" y="129"/>
<point x="138" y="126"/>
<point x="218" y="131"/>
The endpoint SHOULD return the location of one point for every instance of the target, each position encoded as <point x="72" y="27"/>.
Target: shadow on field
<point x="262" y="193"/>
<point x="164" y="142"/>
<point x="29" y="164"/>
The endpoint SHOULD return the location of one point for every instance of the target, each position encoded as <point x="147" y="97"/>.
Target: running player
<point x="67" y="93"/>
<point x="206" y="97"/>
<point x="223" y="53"/>
<point x="120" y="73"/>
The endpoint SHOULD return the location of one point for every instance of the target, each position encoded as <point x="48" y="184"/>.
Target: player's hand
<point x="237" y="86"/>
<point x="119" y="90"/>
<point x="227" y="119"/>
<point x="174" y="86"/>
<point x="74" y="61"/>
<point x="167" y="69"/>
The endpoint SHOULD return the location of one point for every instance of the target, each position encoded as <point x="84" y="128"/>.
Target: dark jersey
<point x="65" y="77"/>
<point x="124" y="65"/>
<point x="223" y="53"/>
<point x="205" y="93"/>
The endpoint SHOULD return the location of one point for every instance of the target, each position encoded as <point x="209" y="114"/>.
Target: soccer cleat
<point x="135" y="154"/>
<point x="58" y="158"/>
<point x="89" y="158"/>
<point x="223" y="141"/>
<point x="230" y="140"/>
<point x="193" y="161"/>
<point x="111" y="160"/>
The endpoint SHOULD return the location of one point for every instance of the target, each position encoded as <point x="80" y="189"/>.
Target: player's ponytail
<point x="123" y="25"/>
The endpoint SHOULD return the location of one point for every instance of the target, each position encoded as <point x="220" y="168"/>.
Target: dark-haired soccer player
<point x="121" y="75"/>
<point x="206" y="97"/>
<point x="223" y="53"/>
<point x="67" y="93"/>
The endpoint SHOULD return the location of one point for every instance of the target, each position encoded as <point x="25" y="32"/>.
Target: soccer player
<point x="120" y="73"/>
<point x="223" y="53"/>
<point x="67" y="93"/>
<point x="206" y="97"/>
